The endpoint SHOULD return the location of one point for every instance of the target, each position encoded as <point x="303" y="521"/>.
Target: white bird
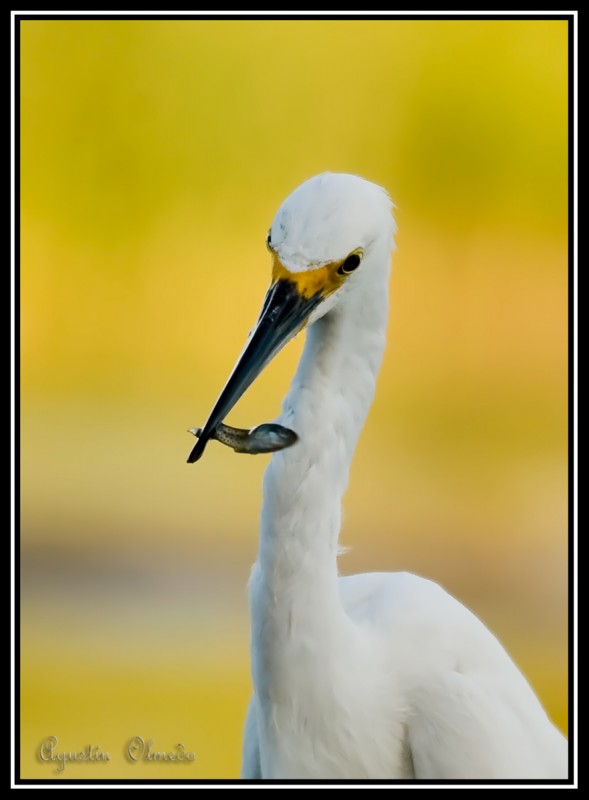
<point x="373" y="676"/>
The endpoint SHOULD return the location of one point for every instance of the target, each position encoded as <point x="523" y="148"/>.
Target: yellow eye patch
<point x="324" y="279"/>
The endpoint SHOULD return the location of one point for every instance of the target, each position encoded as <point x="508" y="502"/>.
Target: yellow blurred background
<point x="154" y="156"/>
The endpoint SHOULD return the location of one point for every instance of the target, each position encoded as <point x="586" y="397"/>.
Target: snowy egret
<point x="382" y="675"/>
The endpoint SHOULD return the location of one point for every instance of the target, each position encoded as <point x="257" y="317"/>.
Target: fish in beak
<point x="287" y="307"/>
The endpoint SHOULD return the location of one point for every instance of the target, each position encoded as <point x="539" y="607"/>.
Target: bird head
<point x="327" y="236"/>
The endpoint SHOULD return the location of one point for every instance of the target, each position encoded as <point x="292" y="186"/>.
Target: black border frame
<point x="572" y="407"/>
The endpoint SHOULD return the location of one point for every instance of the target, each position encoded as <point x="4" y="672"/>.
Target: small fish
<point x="266" y="438"/>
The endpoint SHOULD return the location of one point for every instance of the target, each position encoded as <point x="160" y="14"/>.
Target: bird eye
<point x="269" y="240"/>
<point x="351" y="263"/>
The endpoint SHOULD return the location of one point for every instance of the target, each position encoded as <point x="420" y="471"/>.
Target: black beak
<point x="284" y="313"/>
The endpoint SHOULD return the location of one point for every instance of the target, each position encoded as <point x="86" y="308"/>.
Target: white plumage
<point x="376" y="675"/>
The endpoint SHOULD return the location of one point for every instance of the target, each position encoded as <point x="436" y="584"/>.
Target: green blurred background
<point x="154" y="156"/>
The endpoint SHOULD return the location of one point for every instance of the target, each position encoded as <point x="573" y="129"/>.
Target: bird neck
<point x="326" y="406"/>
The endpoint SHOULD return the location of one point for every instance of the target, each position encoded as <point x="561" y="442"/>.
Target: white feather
<point x="377" y="675"/>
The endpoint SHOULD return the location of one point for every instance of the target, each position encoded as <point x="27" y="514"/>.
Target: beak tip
<point x="196" y="451"/>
